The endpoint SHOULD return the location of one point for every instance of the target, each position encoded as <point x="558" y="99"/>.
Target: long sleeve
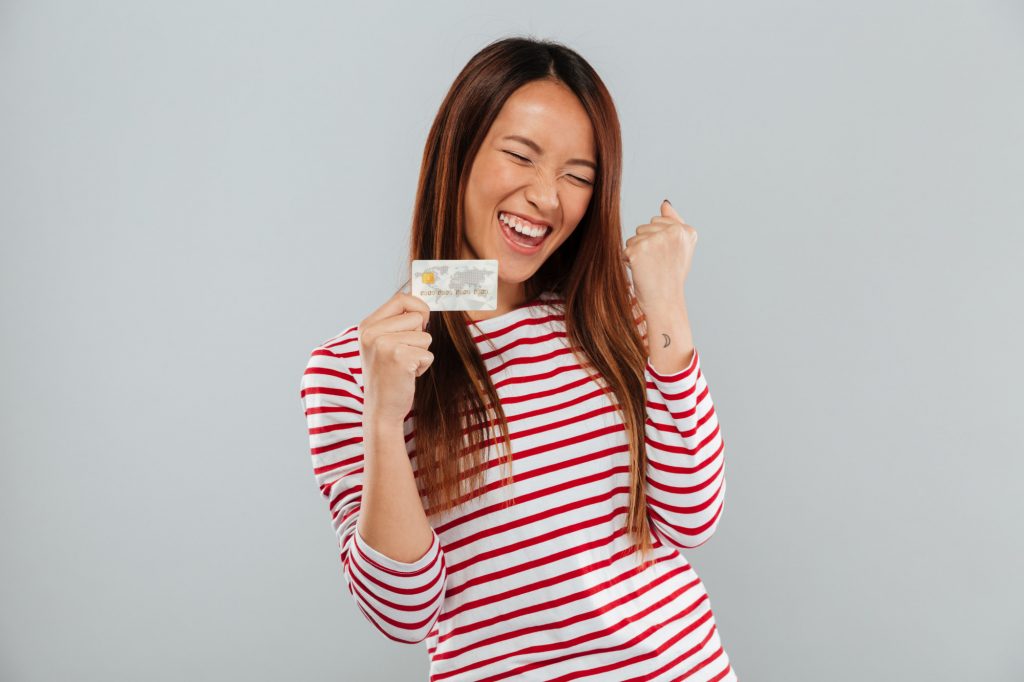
<point x="685" y="450"/>
<point x="685" y="456"/>
<point x="401" y="599"/>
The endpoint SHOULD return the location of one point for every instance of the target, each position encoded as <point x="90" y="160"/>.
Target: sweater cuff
<point x="676" y="375"/>
<point x="386" y="563"/>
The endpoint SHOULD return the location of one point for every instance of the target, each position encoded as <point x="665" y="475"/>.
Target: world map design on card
<point x="456" y="284"/>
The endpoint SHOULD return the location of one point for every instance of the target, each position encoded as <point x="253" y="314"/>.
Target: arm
<point x="684" y="446"/>
<point x="402" y="599"/>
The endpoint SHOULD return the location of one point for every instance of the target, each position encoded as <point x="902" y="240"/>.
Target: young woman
<point x="516" y="487"/>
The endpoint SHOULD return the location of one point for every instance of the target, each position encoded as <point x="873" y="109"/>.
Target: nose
<point x="543" y="193"/>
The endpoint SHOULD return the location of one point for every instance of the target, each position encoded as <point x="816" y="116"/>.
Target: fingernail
<point x="668" y="202"/>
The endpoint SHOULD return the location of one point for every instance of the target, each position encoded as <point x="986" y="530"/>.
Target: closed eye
<point x="523" y="158"/>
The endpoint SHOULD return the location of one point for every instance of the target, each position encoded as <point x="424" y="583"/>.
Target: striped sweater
<point x="545" y="589"/>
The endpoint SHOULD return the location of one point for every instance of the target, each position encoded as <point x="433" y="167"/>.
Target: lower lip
<point x="525" y="249"/>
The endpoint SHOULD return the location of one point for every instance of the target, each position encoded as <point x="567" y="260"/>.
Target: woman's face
<point x="552" y="183"/>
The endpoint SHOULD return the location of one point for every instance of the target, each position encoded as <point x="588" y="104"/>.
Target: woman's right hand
<point x="393" y="345"/>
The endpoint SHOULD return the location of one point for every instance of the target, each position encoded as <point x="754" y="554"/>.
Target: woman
<point x="568" y="564"/>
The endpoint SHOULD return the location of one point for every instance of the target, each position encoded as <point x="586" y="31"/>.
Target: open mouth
<point x="521" y="235"/>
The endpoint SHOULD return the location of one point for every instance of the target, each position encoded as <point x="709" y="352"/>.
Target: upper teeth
<point x="520" y="225"/>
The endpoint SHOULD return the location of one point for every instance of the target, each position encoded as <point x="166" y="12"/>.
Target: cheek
<point x="503" y="175"/>
<point x="503" y="179"/>
<point x="486" y="183"/>
<point x="580" y="210"/>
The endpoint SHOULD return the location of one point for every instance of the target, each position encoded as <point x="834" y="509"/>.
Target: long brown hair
<point x="586" y="272"/>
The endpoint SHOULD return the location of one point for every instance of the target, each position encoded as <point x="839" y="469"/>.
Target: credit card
<point x="456" y="284"/>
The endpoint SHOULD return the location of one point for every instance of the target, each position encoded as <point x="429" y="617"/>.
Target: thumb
<point x="669" y="212"/>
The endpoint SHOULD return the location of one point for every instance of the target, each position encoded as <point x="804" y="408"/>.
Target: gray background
<point x="194" y="195"/>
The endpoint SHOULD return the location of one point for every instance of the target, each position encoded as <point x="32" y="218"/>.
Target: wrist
<point x="382" y="423"/>
<point x="668" y="318"/>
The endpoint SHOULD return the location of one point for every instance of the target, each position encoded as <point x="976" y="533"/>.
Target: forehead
<point x="548" y="113"/>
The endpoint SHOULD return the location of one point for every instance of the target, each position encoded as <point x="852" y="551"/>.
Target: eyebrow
<point x="536" y="147"/>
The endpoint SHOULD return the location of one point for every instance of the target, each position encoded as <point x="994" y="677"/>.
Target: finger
<point x="643" y="234"/>
<point x="424" y="359"/>
<point x="670" y="212"/>
<point x="400" y="339"/>
<point x="651" y="228"/>
<point x="396" y="307"/>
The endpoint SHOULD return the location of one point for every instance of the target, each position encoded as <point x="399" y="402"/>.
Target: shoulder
<point x="344" y="345"/>
<point x="336" y="360"/>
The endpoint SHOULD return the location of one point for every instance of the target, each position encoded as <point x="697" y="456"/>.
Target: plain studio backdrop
<point x="194" y="195"/>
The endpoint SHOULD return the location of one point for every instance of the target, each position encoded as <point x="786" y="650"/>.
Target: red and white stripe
<point x="545" y="587"/>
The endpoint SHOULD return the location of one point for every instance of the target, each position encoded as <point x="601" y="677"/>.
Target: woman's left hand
<point x="659" y="258"/>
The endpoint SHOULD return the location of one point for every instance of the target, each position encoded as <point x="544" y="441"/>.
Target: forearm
<point x="391" y="515"/>
<point x="685" y="455"/>
<point x="670" y="339"/>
